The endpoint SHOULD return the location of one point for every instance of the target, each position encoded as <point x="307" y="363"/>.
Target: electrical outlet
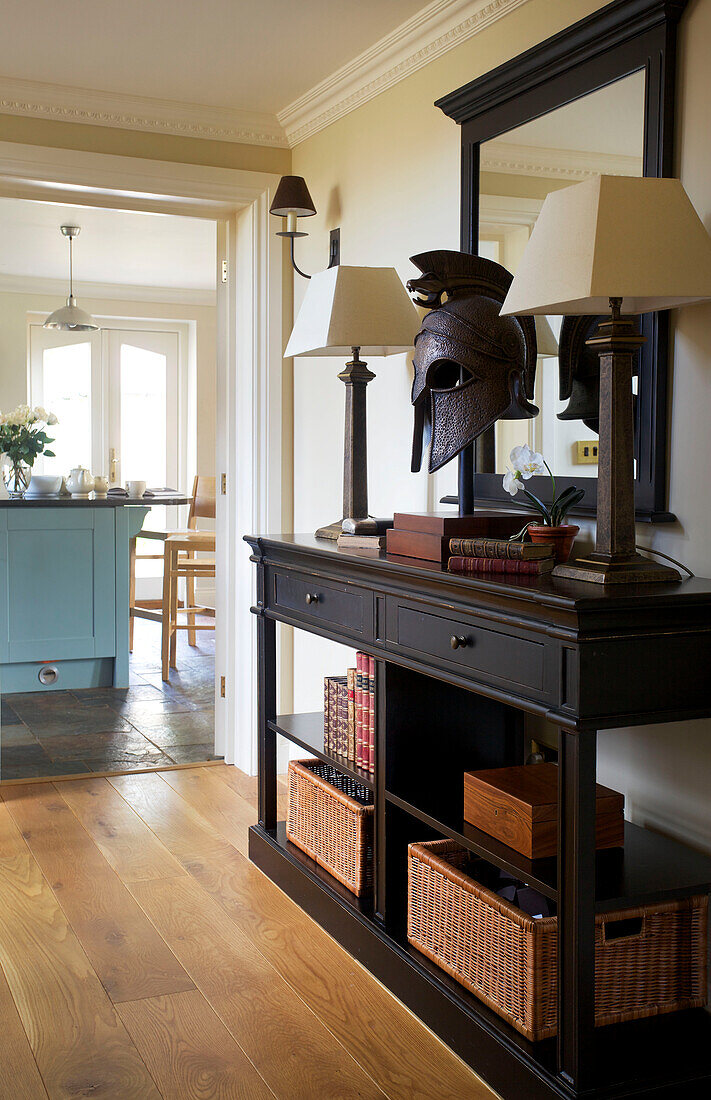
<point x="586" y="451"/>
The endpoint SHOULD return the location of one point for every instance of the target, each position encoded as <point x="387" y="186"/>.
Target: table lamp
<point x="608" y="245"/>
<point x="349" y="310"/>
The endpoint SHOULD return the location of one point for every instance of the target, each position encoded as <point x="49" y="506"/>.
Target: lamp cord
<point x="659" y="554"/>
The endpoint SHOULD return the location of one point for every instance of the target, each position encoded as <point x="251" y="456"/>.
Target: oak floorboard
<point x="19" y="1075"/>
<point x="188" y="1050"/>
<point x="246" y="787"/>
<point x="122" y="837"/>
<point x="183" y="831"/>
<point x="295" y="1054"/>
<point x="406" y="1059"/>
<point x="80" y="1046"/>
<point x="129" y="957"/>
<point x="225" y="810"/>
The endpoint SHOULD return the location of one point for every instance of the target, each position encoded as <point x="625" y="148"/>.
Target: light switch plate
<point x="586" y="451"/>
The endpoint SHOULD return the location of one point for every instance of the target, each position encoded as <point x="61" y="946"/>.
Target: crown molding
<point x="569" y="164"/>
<point x="501" y="213"/>
<point x="439" y="27"/>
<point x="57" y="288"/>
<point x="127" y="112"/>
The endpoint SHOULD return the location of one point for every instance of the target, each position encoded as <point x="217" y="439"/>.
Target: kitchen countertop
<point x="93" y="502"/>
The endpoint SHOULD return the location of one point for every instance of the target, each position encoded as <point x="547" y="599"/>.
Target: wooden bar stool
<point x="179" y="561"/>
<point x="202" y="506"/>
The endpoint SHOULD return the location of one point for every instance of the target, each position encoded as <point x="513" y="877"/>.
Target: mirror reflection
<point x="599" y="133"/>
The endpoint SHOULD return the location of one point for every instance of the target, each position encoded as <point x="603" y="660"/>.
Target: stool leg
<point x="131" y="591"/>
<point x="174" y="609"/>
<point x="165" y="615"/>
<point x="190" y="598"/>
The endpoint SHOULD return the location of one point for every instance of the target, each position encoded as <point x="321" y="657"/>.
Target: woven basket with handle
<point x="648" y="960"/>
<point x="330" y="817"/>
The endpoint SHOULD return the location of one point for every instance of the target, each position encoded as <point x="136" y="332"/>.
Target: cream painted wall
<point x="388" y="174"/>
<point x="13" y="351"/>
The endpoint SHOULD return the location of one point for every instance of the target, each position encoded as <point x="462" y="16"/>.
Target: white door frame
<point x="249" y="374"/>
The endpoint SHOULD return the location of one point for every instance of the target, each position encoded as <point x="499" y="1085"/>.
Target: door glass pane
<point x="66" y="391"/>
<point x="143" y="415"/>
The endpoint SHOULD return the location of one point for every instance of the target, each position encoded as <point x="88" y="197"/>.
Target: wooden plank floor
<point x="142" y="955"/>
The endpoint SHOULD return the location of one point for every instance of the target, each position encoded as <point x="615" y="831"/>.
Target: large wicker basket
<point x="647" y="961"/>
<point x="330" y="817"/>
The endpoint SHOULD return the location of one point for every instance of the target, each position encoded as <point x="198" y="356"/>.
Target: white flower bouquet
<point x="22" y="439"/>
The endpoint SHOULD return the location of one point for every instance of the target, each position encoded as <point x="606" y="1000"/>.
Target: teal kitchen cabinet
<point x="64" y="595"/>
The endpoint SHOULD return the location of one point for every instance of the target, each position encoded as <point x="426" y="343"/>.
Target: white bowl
<point x="44" y="485"/>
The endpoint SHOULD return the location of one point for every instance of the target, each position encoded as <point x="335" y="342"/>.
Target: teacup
<point x="135" y="488"/>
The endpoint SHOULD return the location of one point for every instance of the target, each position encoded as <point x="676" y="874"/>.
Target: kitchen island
<point x="64" y="575"/>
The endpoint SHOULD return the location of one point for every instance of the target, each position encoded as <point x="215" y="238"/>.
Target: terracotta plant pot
<point x="562" y="538"/>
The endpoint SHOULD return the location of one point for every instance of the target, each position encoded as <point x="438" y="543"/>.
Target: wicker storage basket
<point x="330" y="817"/>
<point x="647" y="961"/>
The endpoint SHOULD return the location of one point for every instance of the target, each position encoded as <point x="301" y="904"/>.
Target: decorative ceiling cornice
<point x="439" y="27"/>
<point x="568" y="164"/>
<point x="128" y="112"/>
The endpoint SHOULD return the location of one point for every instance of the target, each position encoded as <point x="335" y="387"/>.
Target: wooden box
<point x="519" y="806"/>
<point x="426" y="535"/>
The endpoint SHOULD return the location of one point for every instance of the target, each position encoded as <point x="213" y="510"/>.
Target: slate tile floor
<point x="147" y="725"/>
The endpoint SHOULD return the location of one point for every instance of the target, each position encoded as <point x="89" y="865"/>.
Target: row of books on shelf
<point x="487" y="555"/>
<point x="349" y="714"/>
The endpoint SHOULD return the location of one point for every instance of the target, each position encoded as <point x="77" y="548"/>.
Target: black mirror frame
<point x="616" y="41"/>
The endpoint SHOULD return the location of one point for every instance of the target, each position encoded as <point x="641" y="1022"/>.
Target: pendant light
<point x="70" y="318"/>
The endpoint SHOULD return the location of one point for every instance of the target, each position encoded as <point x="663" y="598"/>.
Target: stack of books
<point x="487" y="555"/>
<point x="349" y="714"/>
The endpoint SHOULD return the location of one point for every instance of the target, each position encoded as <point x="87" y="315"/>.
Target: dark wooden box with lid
<point x="519" y="806"/>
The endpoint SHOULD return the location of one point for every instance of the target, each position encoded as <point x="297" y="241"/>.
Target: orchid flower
<point x="525" y="463"/>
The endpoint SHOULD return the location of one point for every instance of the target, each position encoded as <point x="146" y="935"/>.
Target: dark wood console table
<point x="585" y="659"/>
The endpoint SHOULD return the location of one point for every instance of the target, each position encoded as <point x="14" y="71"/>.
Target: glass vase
<point x="16" y="476"/>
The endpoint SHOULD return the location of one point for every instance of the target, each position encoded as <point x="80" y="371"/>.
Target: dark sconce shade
<point x="292" y="197"/>
<point x="292" y="201"/>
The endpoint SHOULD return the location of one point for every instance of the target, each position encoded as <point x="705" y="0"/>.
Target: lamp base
<point x="634" y="570"/>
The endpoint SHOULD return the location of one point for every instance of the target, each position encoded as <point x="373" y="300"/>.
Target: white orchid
<point x="527" y="462"/>
<point x="512" y="481"/>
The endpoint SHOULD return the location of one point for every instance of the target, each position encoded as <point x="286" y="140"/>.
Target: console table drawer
<point x="489" y="652"/>
<point x="316" y="601"/>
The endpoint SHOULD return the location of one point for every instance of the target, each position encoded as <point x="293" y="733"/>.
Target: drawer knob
<point x="312" y="597"/>
<point x="458" y="641"/>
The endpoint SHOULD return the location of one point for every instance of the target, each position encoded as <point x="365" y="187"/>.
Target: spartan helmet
<point x="472" y="367"/>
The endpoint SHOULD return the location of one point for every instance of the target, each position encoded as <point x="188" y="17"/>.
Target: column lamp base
<point x="634" y="570"/>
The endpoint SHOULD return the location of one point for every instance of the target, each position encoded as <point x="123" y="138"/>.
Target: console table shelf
<point x="306" y="730"/>
<point x="584" y="658"/>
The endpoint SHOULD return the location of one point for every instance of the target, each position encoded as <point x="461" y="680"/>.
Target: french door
<point x="116" y="394"/>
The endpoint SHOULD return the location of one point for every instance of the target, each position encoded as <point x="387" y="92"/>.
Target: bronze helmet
<point x="472" y="367"/>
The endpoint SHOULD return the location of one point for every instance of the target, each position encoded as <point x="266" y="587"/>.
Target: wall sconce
<point x="292" y="201"/>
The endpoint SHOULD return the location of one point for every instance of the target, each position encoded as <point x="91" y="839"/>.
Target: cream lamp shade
<point x="628" y="237"/>
<point x="349" y="307"/>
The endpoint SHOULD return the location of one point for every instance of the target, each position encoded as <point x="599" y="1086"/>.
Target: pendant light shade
<point x="69" y="318"/>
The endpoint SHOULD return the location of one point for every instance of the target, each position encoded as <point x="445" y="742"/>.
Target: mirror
<point x="601" y="133"/>
<point x="597" y="96"/>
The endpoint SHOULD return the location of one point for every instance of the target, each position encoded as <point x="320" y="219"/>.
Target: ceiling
<point x="256" y="56"/>
<point x="118" y="247"/>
